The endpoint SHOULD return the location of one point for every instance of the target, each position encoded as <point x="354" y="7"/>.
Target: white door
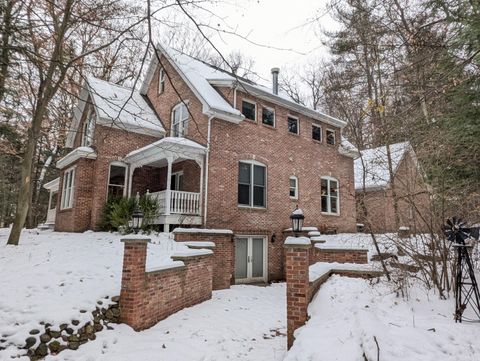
<point x="250" y="259"/>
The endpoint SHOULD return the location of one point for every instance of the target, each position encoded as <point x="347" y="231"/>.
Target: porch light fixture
<point x="137" y="220"/>
<point x="297" y="218"/>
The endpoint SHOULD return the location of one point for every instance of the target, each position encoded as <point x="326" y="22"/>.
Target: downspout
<point x="207" y="156"/>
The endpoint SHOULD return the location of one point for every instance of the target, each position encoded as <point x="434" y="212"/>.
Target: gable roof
<point x="202" y="77"/>
<point x="117" y="106"/>
<point x="373" y="163"/>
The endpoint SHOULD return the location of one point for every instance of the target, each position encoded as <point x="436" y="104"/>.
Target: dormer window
<point x="87" y="130"/>
<point x="161" y="81"/>
<point x="179" y="120"/>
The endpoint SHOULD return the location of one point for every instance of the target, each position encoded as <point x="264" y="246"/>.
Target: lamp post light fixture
<point x="137" y="220"/>
<point x="297" y="218"/>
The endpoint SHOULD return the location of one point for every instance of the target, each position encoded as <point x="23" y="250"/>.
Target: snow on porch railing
<point x="180" y="202"/>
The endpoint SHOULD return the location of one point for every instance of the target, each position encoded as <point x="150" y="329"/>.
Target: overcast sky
<point x="277" y="24"/>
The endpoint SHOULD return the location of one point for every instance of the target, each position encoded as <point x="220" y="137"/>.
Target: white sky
<point x="282" y="24"/>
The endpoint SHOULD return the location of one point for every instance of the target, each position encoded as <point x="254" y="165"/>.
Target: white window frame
<point x="87" y="130"/>
<point x="294" y="188"/>
<point x="161" y="81"/>
<point x="254" y="104"/>
<point x="298" y="124"/>
<point x="254" y="163"/>
<point x="177" y="182"/>
<point x="329" y="203"/>
<point x="334" y="136"/>
<point x="118" y="164"/>
<point x="182" y="129"/>
<point x="321" y="134"/>
<point x="68" y="191"/>
<point x="274" y="117"/>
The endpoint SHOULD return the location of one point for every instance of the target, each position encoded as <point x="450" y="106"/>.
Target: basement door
<point x="250" y="259"/>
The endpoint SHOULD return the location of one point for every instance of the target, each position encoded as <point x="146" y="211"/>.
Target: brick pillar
<point x="133" y="281"/>
<point x="297" y="250"/>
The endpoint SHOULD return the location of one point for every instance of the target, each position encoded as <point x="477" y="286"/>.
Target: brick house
<point x="373" y="184"/>
<point x="215" y="150"/>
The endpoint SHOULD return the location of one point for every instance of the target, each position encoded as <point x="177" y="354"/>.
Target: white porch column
<point x="131" y="169"/>
<point x="169" y="181"/>
<point x="49" y="200"/>
<point x="200" y="163"/>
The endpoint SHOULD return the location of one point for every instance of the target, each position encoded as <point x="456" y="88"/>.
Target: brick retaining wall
<point x="224" y="254"/>
<point x="148" y="297"/>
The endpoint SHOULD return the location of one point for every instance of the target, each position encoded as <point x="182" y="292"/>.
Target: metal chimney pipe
<point x="275" y="72"/>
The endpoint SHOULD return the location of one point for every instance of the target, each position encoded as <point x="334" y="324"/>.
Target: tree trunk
<point x="25" y="191"/>
<point x="4" y="54"/>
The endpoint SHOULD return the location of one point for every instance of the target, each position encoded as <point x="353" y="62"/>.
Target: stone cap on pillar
<point x="297" y="242"/>
<point x="135" y="238"/>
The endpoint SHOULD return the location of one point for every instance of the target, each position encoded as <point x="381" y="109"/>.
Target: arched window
<point x="87" y="131"/>
<point x="293" y="187"/>
<point x="179" y="120"/>
<point x="330" y="196"/>
<point x="252" y="184"/>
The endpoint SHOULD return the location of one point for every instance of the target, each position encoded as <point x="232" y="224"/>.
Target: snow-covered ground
<point x="242" y="323"/>
<point x="51" y="276"/>
<point x="350" y="316"/>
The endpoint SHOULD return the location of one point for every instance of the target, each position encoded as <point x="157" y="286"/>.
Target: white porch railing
<point x="51" y="215"/>
<point x="180" y="202"/>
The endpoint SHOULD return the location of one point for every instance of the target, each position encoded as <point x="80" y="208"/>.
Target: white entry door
<point x="250" y="259"/>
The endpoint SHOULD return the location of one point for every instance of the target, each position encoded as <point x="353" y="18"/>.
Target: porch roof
<point x="168" y="148"/>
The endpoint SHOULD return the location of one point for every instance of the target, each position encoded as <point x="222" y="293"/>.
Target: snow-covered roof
<point x="116" y="106"/>
<point x="168" y="147"/>
<point x="373" y="163"/>
<point x="123" y="107"/>
<point x="202" y="77"/>
<point x="76" y="154"/>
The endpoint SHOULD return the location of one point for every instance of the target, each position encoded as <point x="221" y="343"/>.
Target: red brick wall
<point x="77" y="218"/>
<point x="339" y="255"/>
<point x="90" y="194"/>
<point x="413" y="201"/>
<point x="296" y="258"/>
<point x="148" y="297"/>
<point x="223" y="256"/>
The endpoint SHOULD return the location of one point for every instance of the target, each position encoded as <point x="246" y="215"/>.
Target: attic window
<point x="249" y="109"/>
<point x="268" y="116"/>
<point x="316" y="132"/>
<point x="331" y="136"/>
<point x="87" y="130"/>
<point x="161" y="81"/>
<point x="292" y="125"/>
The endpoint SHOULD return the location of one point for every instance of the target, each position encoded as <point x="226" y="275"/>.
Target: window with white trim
<point x="161" y="81"/>
<point x="68" y="186"/>
<point x="292" y="123"/>
<point x="249" y="110"/>
<point x="180" y="120"/>
<point x="330" y="195"/>
<point x="293" y="187"/>
<point x="268" y="116"/>
<point x="117" y="178"/>
<point x="331" y="136"/>
<point x="252" y="184"/>
<point x="316" y="132"/>
<point x="87" y="131"/>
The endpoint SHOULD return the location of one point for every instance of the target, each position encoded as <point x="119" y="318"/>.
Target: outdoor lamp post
<point x="137" y="220"/>
<point x="297" y="218"/>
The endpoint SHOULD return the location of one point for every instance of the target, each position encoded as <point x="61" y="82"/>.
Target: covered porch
<point x="171" y="171"/>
